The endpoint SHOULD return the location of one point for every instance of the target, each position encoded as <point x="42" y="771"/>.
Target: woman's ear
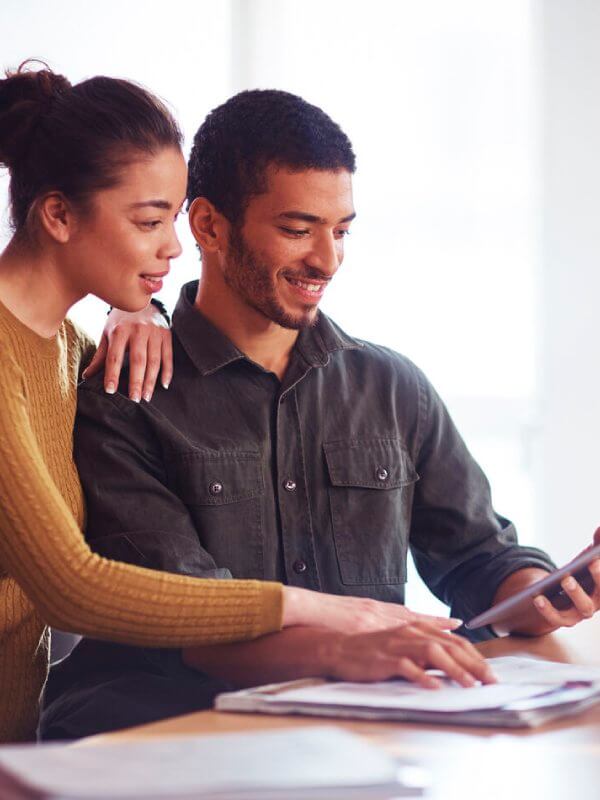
<point x="209" y="227"/>
<point x="55" y="216"/>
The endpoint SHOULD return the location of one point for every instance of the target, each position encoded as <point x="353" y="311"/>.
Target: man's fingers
<point x="153" y="361"/>
<point x="580" y="599"/>
<point x="166" y="373"/>
<point x="551" y="615"/>
<point x="594" y="568"/>
<point x="406" y="668"/>
<point x="98" y="359"/>
<point x="437" y="656"/>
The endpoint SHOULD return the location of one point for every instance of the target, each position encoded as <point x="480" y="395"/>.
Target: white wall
<point x="182" y="52"/>
<point x="568" y="496"/>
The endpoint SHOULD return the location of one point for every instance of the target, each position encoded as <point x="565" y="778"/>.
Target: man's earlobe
<point x="55" y="216"/>
<point x="206" y="224"/>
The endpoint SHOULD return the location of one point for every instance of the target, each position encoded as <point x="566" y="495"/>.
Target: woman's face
<point x="122" y="246"/>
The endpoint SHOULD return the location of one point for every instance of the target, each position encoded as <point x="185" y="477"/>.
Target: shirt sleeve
<point x="462" y="549"/>
<point x="42" y="548"/>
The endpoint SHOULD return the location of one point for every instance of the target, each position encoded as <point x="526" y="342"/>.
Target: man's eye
<point x="295" y="231"/>
<point x="343" y="233"/>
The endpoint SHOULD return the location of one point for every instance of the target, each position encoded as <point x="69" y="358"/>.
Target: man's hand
<point x="584" y="605"/>
<point x="351" y="614"/>
<point x="543" y="617"/>
<point x="148" y="337"/>
<point x="405" y="652"/>
<point x="310" y="652"/>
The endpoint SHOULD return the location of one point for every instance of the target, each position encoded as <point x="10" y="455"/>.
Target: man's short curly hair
<point x="253" y="129"/>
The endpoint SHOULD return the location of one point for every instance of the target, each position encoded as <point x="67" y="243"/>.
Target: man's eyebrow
<point x="153" y="204"/>
<point x="304" y="217"/>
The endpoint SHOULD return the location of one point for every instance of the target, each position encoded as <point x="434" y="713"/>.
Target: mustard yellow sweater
<point x="48" y="575"/>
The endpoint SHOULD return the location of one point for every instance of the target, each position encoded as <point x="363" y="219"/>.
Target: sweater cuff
<point x="272" y="605"/>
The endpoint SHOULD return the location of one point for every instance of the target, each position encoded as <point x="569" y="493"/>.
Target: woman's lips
<point x="152" y="283"/>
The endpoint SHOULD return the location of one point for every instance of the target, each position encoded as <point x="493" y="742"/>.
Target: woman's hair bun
<point x="26" y="96"/>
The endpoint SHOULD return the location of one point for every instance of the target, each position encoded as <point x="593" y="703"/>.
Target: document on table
<point x="288" y="764"/>
<point x="529" y="692"/>
<point x="398" y="694"/>
<point x="516" y="669"/>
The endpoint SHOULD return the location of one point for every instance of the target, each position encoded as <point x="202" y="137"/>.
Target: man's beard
<point x="253" y="283"/>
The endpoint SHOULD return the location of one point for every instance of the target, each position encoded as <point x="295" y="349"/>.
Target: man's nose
<point x="326" y="254"/>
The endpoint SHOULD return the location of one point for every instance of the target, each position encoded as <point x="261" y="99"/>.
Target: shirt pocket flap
<point x="214" y="479"/>
<point x="370" y="464"/>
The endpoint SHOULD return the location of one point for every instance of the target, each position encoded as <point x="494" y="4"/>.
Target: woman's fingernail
<point x="109" y="388"/>
<point x="135" y="397"/>
<point x="165" y="384"/>
<point x="455" y="622"/>
<point x="539" y="602"/>
<point x="148" y="397"/>
<point x="570" y="583"/>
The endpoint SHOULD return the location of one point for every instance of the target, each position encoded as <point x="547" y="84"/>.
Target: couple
<point x="283" y="452"/>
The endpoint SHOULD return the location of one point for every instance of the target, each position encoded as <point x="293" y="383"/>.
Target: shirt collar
<point x="210" y="350"/>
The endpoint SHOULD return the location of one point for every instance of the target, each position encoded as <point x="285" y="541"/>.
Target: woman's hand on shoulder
<point x="147" y="336"/>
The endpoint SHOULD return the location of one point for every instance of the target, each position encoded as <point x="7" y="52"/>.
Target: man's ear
<point x="55" y="216"/>
<point x="209" y="227"/>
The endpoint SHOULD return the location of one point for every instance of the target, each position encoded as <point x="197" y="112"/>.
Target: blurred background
<point x="475" y="124"/>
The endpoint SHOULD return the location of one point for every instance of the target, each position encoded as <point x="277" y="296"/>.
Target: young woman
<point x="97" y="178"/>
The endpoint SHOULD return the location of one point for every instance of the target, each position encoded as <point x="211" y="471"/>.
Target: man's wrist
<point x="530" y="624"/>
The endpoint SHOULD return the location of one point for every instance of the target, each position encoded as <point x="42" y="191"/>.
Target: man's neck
<point x="260" y="339"/>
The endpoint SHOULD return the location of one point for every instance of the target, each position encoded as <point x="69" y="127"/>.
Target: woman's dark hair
<point x="74" y="139"/>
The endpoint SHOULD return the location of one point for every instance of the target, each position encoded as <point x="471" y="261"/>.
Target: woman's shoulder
<point x="77" y="339"/>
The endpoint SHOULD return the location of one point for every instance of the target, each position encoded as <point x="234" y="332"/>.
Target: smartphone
<point x="550" y="587"/>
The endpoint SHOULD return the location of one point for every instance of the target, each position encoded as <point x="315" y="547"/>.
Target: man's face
<point x="291" y="243"/>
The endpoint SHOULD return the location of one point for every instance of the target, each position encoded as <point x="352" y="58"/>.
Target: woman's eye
<point x="150" y="224"/>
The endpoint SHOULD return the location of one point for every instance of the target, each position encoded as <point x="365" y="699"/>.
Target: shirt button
<point x="290" y="485"/>
<point x="382" y="474"/>
<point x="299" y="566"/>
<point x="215" y="488"/>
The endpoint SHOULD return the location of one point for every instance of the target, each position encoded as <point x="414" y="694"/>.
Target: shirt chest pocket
<point x="223" y="493"/>
<point x="370" y="498"/>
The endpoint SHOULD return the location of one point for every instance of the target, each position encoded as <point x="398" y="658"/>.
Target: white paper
<point x="518" y="669"/>
<point x="403" y="695"/>
<point x="194" y="767"/>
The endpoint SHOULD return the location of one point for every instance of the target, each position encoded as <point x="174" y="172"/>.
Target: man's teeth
<point x="308" y="287"/>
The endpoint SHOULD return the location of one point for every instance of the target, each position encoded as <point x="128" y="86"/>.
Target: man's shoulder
<point x="373" y="356"/>
<point x="92" y="395"/>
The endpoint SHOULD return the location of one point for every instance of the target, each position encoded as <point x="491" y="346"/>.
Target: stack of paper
<point x="291" y="765"/>
<point x="529" y="693"/>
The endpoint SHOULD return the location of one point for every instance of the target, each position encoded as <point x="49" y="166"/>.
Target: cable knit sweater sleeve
<point x="42" y="548"/>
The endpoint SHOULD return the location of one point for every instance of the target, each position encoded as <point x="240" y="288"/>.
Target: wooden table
<point x="558" y="761"/>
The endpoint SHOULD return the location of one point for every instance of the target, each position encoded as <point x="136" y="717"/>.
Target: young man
<point x="284" y="449"/>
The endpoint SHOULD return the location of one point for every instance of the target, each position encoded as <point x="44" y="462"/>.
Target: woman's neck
<point x="31" y="288"/>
